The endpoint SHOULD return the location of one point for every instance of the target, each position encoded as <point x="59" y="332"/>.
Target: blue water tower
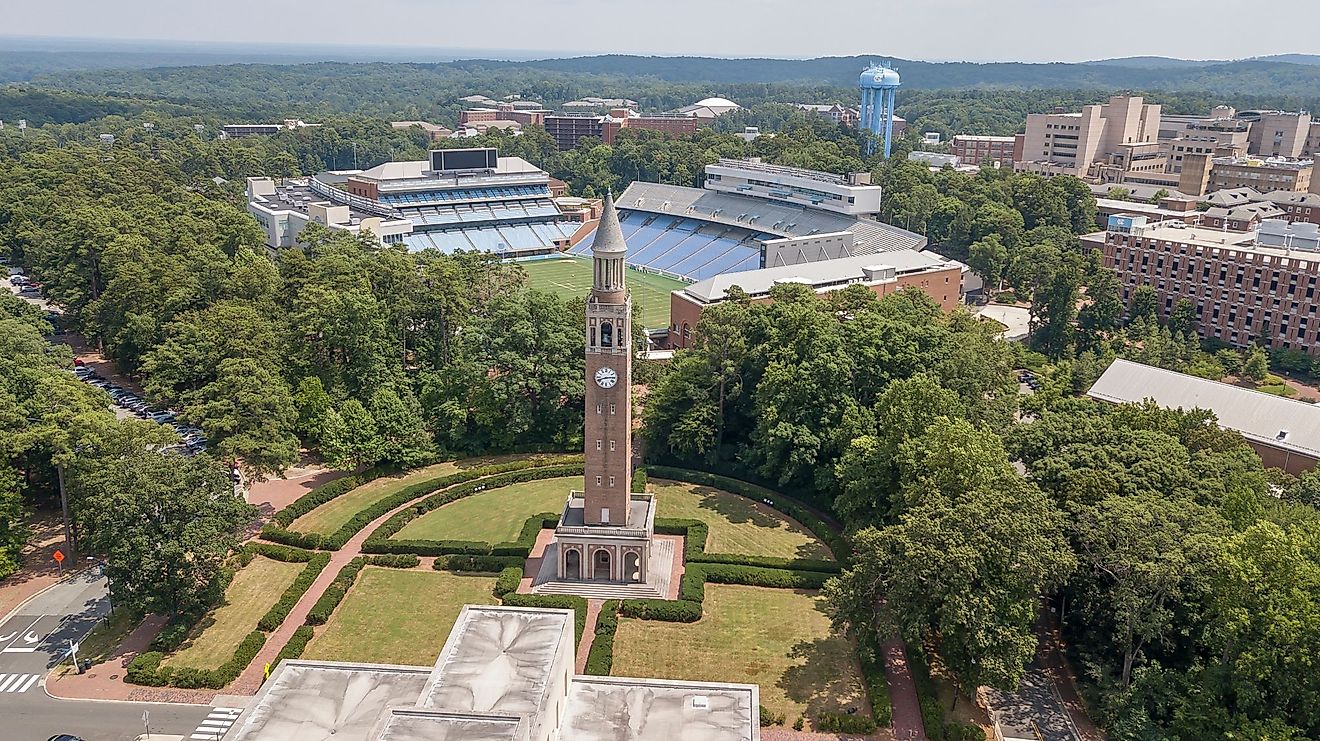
<point x="878" y="84"/>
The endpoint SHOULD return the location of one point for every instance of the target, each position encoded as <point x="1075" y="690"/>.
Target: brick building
<point x="1258" y="287"/>
<point x="973" y="150"/>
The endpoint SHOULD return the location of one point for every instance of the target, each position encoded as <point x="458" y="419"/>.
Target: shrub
<point x="679" y="611"/>
<point x="396" y="561"/>
<point x="334" y="594"/>
<point x="770" y="719"/>
<point x="508" y="581"/>
<point x="639" y="480"/>
<point x="873" y="672"/>
<point x="600" y="659"/>
<point x="173" y="634"/>
<point x="797" y="724"/>
<point x="555" y="601"/>
<point x="756" y="576"/>
<point x="482" y="564"/>
<point x="146" y="668"/>
<point x="844" y="723"/>
<point x="281" y="609"/>
<point x="296" y="645"/>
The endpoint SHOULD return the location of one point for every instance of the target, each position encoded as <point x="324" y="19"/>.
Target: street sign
<point x="59" y="556"/>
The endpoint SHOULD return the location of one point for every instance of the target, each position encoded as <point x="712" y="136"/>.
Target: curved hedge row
<point x="330" y="490"/>
<point x="379" y="541"/>
<point x="837" y="544"/>
<point x="277" y="529"/>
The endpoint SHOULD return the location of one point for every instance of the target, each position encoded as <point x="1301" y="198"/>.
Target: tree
<point x="1257" y="365"/>
<point x="1183" y="319"/>
<point x="1117" y="193"/>
<point x="1145" y="304"/>
<point x="13" y="529"/>
<point x="249" y="417"/>
<point x="312" y="403"/>
<point x="1159" y="195"/>
<point x="1140" y="560"/>
<point x="357" y="444"/>
<point x="403" y="437"/>
<point x="987" y="258"/>
<point x="1104" y="307"/>
<point x="985" y="538"/>
<point x="165" y="523"/>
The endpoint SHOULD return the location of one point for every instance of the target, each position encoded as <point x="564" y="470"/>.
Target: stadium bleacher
<point x="684" y="248"/>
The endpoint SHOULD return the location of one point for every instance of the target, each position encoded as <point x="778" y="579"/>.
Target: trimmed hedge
<point x="837" y="544"/>
<point x="873" y="673"/>
<point x="695" y="533"/>
<point x="478" y="564"/>
<point x="639" y="480"/>
<point x="557" y="601"/>
<point x="758" y="576"/>
<point x="380" y="540"/>
<point x="396" y="561"/>
<point x="679" y="611"/>
<point x="325" y="492"/>
<point x="276" y="615"/>
<point x="277" y="530"/>
<point x="600" y="659"/>
<point x="938" y="728"/>
<point x="296" y="645"/>
<point x="843" y="723"/>
<point x="334" y="594"/>
<point x="508" y="581"/>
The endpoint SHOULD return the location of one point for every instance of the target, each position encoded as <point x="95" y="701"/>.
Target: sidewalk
<point x="902" y="694"/>
<point x="39" y="569"/>
<point x="104" y="681"/>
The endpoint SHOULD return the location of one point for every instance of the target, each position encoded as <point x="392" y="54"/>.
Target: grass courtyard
<point x="737" y="524"/>
<point x="776" y="638"/>
<point x="493" y="516"/>
<point x="392" y="616"/>
<point x="570" y="277"/>
<point x="255" y="589"/>
<point x="334" y="514"/>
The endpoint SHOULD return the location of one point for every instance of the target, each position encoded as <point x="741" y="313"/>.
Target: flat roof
<point x="498" y="660"/>
<point x="618" y="708"/>
<point x="820" y="273"/>
<point x="411" y="724"/>
<point x="308" y="699"/>
<point x="1257" y="416"/>
<point x="297" y="195"/>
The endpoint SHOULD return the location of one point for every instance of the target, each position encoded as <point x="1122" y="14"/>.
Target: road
<point x="35" y="639"/>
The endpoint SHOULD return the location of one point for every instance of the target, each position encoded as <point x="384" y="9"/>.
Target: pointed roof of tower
<point x="609" y="234"/>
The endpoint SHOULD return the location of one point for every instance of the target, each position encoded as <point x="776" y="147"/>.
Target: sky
<point x="936" y="30"/>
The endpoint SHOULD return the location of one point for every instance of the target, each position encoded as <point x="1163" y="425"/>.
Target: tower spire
<point x="609" y="234"/>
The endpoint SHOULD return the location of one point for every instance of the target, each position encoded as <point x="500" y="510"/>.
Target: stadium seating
<point x="684" y="247"/>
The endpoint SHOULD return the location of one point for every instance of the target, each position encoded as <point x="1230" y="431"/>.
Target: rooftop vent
<point x="1283" y="435"/>
<point x="700" y="702"/>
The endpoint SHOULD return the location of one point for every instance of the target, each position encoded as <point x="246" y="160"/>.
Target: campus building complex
<point x="1248" y="289"/>
<point x="504" y="674"/>
<point x="568" y="130"/>
<point x="459" y="199"/>
<point x="1123" y="133"/>
<point x="752" y="215"/>
<point x="974" y="150"/>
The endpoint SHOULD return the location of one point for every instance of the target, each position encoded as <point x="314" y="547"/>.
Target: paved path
<point x="902" y="694"/>
<point x="38" y="569"/>
<point x="588" y="634"/>
<point x="1050" y="655"/>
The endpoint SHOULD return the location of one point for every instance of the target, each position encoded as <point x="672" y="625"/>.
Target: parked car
<point x="18" y="280"/>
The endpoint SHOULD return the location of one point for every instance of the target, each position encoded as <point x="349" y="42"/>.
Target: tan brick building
<point x="973" y="150"/>
<point x="1071" y="143"/>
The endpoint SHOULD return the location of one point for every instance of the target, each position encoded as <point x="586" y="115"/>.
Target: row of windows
<point x="604" y="516"/>
<point x="598" y="407"/>
<point x="598" y="442"/>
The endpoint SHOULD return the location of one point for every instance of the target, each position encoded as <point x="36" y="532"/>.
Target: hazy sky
<point x="1030" y="30"/>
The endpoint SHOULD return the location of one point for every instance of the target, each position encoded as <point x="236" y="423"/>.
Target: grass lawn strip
<point x="255" y="589"/>
<point x="329" y="517"/>
<point x="570" y="277"/>
<point x="493" y="516"/>
<point x="737" y="524"/>
<point x="776" y="638"/>
<point x="398" y="617"/>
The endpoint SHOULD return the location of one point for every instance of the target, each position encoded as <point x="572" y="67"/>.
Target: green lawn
<point x="392" y="616"/>
<point x="737" y="524"/>
<point x="571" y="277"/>
<point x="332" y="515"/>
<point x="776" y="638"/>
<point x="494" y="516"/>
<point x="255" y="589"/>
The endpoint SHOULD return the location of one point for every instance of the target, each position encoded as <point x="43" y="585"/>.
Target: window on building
<point x="598" y="445"/>
<point x="611" y="445"/>
<point x="605" y="514"/>
<point x="606" y="335"/>
<point x="611" y="409"/>
<point x="597" y="481"/>
<point x="611" y="481"/>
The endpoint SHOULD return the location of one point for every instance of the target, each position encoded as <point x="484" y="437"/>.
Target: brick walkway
<point x="784" y="733"/>
<point x="588" y="634"/>
<point x="104" y="681"/>
<point x="902" y="694"/>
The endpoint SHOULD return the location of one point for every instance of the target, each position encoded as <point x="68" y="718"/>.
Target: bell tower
<point x="608" y="432"/>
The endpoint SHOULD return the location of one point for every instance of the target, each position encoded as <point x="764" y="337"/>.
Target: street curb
<point x="42" y="591"/>
<point x="57" y="698"/>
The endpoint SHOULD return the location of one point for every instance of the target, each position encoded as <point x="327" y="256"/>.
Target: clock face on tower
<point x="606" y="378"/>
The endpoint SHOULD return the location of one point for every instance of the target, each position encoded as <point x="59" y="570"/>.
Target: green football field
<point x="571" y="276"/>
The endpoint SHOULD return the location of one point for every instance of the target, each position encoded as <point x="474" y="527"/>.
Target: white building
<point x="853" y="195"/>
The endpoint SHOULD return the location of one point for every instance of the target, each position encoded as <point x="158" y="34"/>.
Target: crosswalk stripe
<point x="28" y="685"/>
<point x="6" y="680"/>
<point x="216" y="723"/>
<point x="14" y="683"/>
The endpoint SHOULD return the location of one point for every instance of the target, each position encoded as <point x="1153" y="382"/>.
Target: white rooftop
<point x="819" y="274"/>
<point x="1260" y="417"/>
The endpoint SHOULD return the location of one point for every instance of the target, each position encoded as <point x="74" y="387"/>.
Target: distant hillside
<point x="1156" y="62"/>
<point x="1312" y="59"/>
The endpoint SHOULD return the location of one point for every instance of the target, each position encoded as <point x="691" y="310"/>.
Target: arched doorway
<point x="572" y="564"/>
<point x="632" y="567"/>
<point x="600" y="568"/>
